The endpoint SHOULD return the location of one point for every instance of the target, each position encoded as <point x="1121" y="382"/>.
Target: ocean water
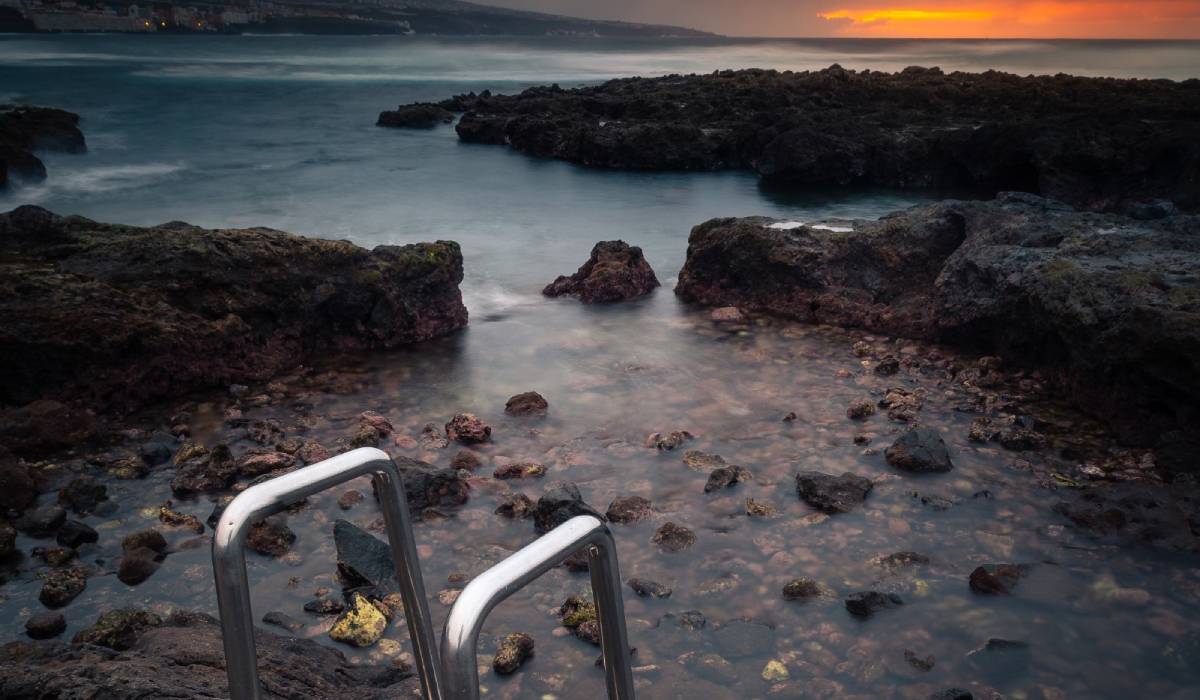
<point x="279" y="132"/>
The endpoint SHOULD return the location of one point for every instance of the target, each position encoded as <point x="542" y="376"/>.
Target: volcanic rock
<point x="615" y="271"/>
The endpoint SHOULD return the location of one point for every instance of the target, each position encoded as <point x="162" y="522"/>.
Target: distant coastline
<point x="386" y="17"/>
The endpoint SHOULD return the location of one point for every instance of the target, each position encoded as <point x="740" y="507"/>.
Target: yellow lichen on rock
<point x="360" y="625"/>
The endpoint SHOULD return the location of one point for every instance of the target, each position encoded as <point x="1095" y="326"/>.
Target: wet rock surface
<point x="171" y="309"/>
<point x="24" y="130"/>
<point x="416" y="116"/>
<point x="561" y="502"/>
<point x="529" y="403"/>
<point x="868" y="603"/>
<point x="1062" y="136"/>
<point x="615" y="271"/>
<point x="514" y="650"/>
<point x="1104" y="303"/>
<point x="920" y="450"/>
<point x="832" y="494"/>
<point x="183" y="658"/>
<point x="1024" y="277"/>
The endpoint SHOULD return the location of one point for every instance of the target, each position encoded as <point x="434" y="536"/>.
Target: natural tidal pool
<point x="257" y="131"/>
<point x="1101" y="619"/>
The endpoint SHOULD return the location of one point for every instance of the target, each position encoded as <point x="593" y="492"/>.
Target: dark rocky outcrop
<point x="117" y="316"/>
<point x="615" y="271"/>
<point x="832" y="494"/>
<point x="183" y="658"/>
<point x="24" y="130"/>
<point x="529" y="403"/>
<point x="1108" y="306"/>
<point x="561" y="502"/>
<point x="920" y="450"/>
<point x="1098" y="143"/>
<point x="422" y="115"/>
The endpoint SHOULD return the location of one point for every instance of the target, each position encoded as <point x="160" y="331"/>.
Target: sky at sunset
<point x="1148" y="19"/>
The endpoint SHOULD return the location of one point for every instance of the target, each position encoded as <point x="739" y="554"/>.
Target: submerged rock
<point x="920" y="450"/>
<point x="270" y="537"/>
<point x="514" y="650"/>
<point x="832" y="494"/>
<point x="427" y="486"/>
<point x="200" y="470"/>
<point x="805" y="589"/>
<point x="42" y="521"/>
<point x="61" y="586"/>
<point x="168" y="310"/>
<point x="137" y="565"/>
<point x="515" y="505"/>
<point x="8" y="539"/>
<point x="868" y="603"/>
<point x="669" y="441"/>
<point x="529" y="403"/>
<point x="468" y="429"/>
<point x="628" y="509"/>
<point x="520" y="470"/>
<point x="1104" y="305"/>
<point x="82" y="495"/>
<point x="649" y="589"/>
<point x="75" y="534"/>
<point x="671" y="537"/>
<point x="615" y="271"/>
<point x="724" y="477"/>
<point x="1001" y="658"/>
<point x="998" y="579"/>
<point x="18" y="490"/>
<point x="45" y="625"/>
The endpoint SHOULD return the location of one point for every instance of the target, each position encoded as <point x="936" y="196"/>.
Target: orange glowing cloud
<point x="869" y="16"/>
<point x="1018" y="18"/>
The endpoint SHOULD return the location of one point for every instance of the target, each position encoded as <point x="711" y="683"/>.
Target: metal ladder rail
<point x="258" y="502"/>
<point x="460" y="637"/>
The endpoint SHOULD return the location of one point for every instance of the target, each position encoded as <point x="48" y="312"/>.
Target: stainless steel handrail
<point x="460" y="677"/>
<point x="258" y="502"/>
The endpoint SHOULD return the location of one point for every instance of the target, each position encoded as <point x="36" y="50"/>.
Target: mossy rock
<point x="359" y="625"/>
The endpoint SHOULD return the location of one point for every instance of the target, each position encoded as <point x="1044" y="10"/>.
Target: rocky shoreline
<point x="1107" y="307"/>
<point x="103" y="318"/>
<point x="24" y="130"/>
<point x="1096" y="143"/>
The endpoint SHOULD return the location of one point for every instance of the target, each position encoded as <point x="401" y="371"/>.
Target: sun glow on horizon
<point x="1016" y="18"/>
<point x="900" y="15"/>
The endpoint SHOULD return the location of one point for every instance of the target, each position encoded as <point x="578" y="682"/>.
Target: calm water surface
<point x="279" y="131"/>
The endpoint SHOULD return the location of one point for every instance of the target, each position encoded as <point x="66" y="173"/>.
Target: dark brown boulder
<point x="529" y="403"/>
<point x="616" y="271"/>
<point x="999" y="579"/>
<point x="118" y="316"/>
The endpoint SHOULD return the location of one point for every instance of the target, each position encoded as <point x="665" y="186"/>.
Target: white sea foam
<point x="92" y="180"/>
<point x="786" y="225"/>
